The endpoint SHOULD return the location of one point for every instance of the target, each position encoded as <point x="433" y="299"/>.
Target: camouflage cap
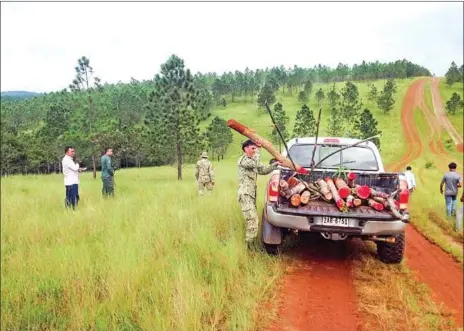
<point x="204" y="155"/>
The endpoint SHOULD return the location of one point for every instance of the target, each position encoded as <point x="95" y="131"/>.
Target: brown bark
<point x="325" y="189"/>
<point x="242" y="129"/>
<point x="338" y="201"/>
<point x="375" y="205"/>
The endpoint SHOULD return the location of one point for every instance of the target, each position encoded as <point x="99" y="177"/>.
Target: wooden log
<point x="295" y="200"/>
<point x="394" y="208"/>
<point x="357" y="202"/>
<point x="283" y="187"/>
<point x="298" y="188"/>
<point x="375" y="205"/>
<point x="313" y="189"/>
<point x="292" y="181"/>
<point x="343" y="189"/>
<point x="363" y="191"/>
<point x="349" y="201"/>
<point x="305" y="196"/>
<point x="375" y="193"/>
<point x="242" y="129"/>
<point x="380" y="200"/>
<point x="351" y="178"/>
<point x="338" y="201"/>
<point x="325" y="189"/>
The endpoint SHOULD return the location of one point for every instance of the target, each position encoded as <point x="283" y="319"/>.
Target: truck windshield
<point x="354" y="158"/>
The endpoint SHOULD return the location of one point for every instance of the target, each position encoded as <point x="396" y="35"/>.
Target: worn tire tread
<point x="392" y="253"/>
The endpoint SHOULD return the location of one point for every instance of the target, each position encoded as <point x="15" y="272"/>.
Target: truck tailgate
<point x="322" y="208"/>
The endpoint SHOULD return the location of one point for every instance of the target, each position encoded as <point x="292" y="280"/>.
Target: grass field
<point x="159" y="257"/>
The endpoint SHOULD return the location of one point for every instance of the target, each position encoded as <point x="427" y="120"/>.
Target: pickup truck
<point x="382" y="227"/>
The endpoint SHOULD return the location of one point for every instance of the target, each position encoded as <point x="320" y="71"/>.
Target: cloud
<point x="41" y="42"/>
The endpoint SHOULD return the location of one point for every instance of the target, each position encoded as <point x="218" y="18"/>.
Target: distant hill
<point x="18" y="95"/>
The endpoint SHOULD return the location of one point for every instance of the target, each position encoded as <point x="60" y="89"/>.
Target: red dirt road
<point x="429" y="263"/>
<point x="442" y="274"/>
<point x="317" y="292"/>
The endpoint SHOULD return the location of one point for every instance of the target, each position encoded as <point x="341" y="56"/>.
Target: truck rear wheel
<point x="392" y="253"/>
<point x="273" y="249"/>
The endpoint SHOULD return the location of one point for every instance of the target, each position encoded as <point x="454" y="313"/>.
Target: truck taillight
<point x="404" y="199"/>
<point x="404" y="195"/>
<point x="273" y="188"/>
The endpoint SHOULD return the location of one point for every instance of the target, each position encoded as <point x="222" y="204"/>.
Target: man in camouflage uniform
<point x="204" y="173"/>
<point x="249" y="168"/>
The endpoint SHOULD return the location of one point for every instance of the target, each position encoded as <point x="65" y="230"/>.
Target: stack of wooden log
<point x="345" y="194"/>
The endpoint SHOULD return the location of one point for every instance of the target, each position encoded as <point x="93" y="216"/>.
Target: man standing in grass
<point x="452" y="181"/>
<point x="71" y="171"/>
<point x="107" y="173"/>
<point x="249" y="168"/>
<point x="410" y="179"/>
<point x="204" y="173"/>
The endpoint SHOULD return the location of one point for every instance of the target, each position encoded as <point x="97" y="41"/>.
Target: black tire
<point x="273" y="249"/>
<point x="392" y="253"/>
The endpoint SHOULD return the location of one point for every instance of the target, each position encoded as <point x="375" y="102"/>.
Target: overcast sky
<point x="41" y="42"/>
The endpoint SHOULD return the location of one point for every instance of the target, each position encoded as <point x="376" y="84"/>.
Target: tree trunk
<point x="179" y="161"/>
<point x="94" y="167"/>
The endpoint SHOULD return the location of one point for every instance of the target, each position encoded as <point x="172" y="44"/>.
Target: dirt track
<point x="441" y="115"/>
<point x="318" y="292"/>
<point x="429" y="263"/>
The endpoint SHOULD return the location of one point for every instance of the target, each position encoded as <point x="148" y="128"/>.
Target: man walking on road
<point x="204" y="173"/>
<point x="249" y="168"/>
<point x="71" y="171"/>
<point x="410" y="179"/>
<point x="452" y="181"/>
<point x="107" y="173"/>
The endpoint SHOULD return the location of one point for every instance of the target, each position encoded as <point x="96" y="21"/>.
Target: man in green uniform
<point x="107" y="173"/>
<point x="204" y="173"/>
<point x="249" y="167"/>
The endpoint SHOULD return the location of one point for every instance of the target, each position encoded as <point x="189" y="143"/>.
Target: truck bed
<point x="384" y="182"/>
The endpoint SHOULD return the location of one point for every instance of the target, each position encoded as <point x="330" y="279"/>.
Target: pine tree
<point x="366" y="126"/>
<point x="351" y="104"/>
<point x="454" y="103"/>
<point x="336" y="125"/>
<point x="281" y="120"/>
<point x="372" y="95"/>
<point x="333" y="96"/>
<point x="320" y="96"/>
<point x="174" y="97"/>
<point x="452" y="75"/>
<point x="305" y="124"/>
<point x="266" y="95"/>
<point x="385" y="100"/>
<point x="303" y="97"/>
<point x="218" y="136"/>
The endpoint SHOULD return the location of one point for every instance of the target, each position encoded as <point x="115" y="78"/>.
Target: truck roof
<point x="329" y="140"/>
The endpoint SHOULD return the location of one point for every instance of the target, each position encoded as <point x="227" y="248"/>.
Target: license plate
<point x="335" y="221"/>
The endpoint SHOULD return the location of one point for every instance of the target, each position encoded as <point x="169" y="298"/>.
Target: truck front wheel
<point x="392" y="253"/>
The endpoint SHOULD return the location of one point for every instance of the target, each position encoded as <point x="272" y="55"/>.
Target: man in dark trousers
<point x="71" y="171"/>
<point x="107" y="173"/>
<point x="452" y="181"/>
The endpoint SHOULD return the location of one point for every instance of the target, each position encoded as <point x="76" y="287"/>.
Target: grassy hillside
<point x="249" y="114"/>
<point x="446" y="92"/>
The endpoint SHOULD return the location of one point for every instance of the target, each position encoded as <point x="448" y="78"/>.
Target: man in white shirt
<point x="71" y="171"/>
<point x="410" y="179"/>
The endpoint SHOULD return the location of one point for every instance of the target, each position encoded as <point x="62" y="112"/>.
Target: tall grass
<point x="157" y="257"/>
